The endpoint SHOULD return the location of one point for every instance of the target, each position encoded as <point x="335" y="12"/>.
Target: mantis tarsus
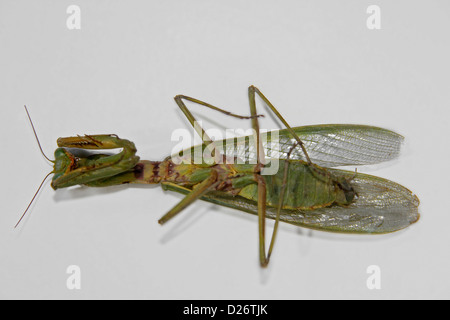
<point x="306" y="190"/>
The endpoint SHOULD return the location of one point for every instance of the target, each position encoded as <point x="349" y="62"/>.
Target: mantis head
<point x="74" y="164"/>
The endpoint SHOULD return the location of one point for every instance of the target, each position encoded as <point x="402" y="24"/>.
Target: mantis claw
<point x="71" y="169"/>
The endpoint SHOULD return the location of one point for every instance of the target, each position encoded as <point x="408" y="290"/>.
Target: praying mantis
<point x="305" y="189"/>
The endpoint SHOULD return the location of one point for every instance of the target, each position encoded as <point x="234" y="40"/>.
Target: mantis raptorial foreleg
<point x="96" y="167"/>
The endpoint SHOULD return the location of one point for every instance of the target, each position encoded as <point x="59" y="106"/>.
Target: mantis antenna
<point x="34" y="131"/>
<point x="39" y="188"/>
<point x="37" y="191"/>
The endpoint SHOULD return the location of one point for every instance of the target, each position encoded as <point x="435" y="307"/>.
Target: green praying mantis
<point x="305" y="189"/>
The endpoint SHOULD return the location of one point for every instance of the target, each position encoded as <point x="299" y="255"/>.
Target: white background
<point x="315" y="60"/>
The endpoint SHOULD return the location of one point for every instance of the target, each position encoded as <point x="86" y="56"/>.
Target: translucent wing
<point x="327" y="145"/>
<point x="341" y="145"/>
<point x="382" y="206"/>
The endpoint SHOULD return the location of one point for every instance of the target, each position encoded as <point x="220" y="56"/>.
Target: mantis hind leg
<point x="281" y="201"/>
<point x="263" y="258"/>
<point x="252" y="91"/>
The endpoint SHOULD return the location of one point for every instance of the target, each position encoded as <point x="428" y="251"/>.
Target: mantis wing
<point x="342" y="145"/>
<point x="329" y="145"/>
<point x="381" y="206"/>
